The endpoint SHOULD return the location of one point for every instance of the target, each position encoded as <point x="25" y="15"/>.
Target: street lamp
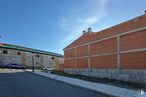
<point x="32" y="62"/>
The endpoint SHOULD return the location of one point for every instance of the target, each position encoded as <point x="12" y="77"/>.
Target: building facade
<point x="118" y="52"/>
<point x="28" y="56"/>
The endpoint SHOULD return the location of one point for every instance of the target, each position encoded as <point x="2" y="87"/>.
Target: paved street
<point x="14" y="83"/>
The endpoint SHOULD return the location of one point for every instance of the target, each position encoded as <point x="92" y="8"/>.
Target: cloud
<point x="90" y="14"/>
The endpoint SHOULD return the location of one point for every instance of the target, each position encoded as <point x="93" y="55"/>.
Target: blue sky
<point x="53" y="24"/>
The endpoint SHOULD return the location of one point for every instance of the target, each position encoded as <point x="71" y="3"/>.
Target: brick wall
<point x="136" y="60"/>
<point x="71" y="63"/>
<point x="133" y="41"/>
<point x="70" y="53"/>
<point x="82" y="51"/>
<point x="105" y="51"/>
<point x="82" y="63"/>
<point x="101" y="62"/>
<point x="106" y="46"/>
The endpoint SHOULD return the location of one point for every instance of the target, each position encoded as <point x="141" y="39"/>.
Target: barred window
<point x="53" y="58"/>
<point x="5" y="52"/>
<point x="18" y="53"/>
<point x="37" y="56"/>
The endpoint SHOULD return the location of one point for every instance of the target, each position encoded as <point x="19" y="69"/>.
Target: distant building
<point x="25" y="56"/>
<point x="118" y="52"/>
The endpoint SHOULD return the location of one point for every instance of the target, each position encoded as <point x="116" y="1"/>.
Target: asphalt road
<point x="15" y="83"/>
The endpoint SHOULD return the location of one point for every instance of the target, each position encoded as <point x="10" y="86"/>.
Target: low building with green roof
<point x="14" y="54"/>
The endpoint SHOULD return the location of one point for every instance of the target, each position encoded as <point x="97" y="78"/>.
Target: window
<point x="37" y="56"/>
<point x="18" y="53"/>
<point x="53" y="58"/>
<point x="5" y="52"/>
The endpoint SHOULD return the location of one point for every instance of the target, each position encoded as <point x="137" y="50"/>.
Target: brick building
<point x="27" y="56"/>
<point x="118" y="52"/>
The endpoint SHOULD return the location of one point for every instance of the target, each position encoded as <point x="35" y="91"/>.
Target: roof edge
<point x="21" y="48"/>
<point x="110" y="27"/>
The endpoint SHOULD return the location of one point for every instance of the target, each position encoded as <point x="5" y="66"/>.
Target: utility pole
<point x="32" y="62"/>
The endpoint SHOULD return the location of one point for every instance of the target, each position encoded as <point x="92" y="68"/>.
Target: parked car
<point x="15" y="66"/>
<point x="48" y="68"/>
<point x="2" y="66"/>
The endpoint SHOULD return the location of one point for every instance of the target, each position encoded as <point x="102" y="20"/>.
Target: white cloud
<point x="90" y="14"/>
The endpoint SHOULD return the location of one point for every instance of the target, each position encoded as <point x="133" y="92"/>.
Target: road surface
<point x="16" y="83"/>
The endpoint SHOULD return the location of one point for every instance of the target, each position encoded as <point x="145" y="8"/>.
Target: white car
<point x="48" y="68"/>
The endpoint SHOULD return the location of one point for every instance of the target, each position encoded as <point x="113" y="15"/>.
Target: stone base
<point x="138" y="76"/>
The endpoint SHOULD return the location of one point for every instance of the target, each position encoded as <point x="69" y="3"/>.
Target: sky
<point x="51" y="25"/>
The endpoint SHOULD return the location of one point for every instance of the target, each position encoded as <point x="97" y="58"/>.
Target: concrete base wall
<point x="138" y="76"/>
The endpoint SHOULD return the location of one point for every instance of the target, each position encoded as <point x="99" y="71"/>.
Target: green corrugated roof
<point x="15" y="47"/>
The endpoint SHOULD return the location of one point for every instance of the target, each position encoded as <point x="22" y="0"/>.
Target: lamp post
<point x="32" y="62"/>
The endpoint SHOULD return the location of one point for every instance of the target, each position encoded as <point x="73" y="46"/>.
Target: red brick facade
<point x="108" y="61"/>
<point x="122" y="46"/>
